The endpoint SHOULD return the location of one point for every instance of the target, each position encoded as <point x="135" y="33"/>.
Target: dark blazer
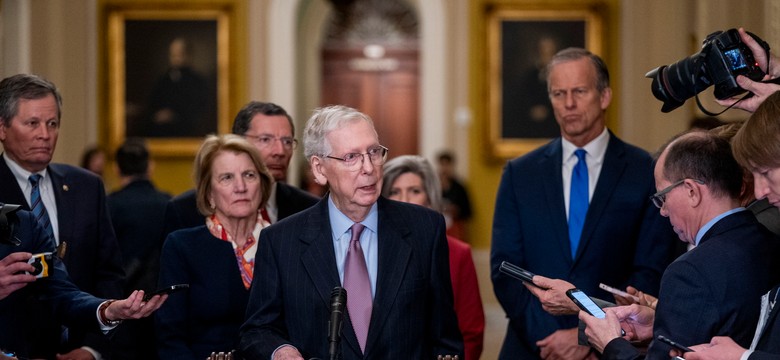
<point x="193" y="323"/>
<point x="714" y="289"/>
<point x="412" y="318"/>
<point x="93" y="256"/>
<point x="61" y="297"/>
<point x="182" y="211"/>
<point x="137" y="211"/>
<point x="624" y="241"/>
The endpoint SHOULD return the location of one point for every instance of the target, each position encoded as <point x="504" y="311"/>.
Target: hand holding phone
<point x="585" y="303"/>
<point x="518" y="273"/>
<point x="166" y="290"/>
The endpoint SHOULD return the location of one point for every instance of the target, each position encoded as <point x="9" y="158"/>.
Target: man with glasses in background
<point x="390" y="257"/>
<point x="271" y="130"/>
<point x="711" y="290"/>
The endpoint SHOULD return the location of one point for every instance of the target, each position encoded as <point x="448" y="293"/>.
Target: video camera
<point x="723" y="56"/>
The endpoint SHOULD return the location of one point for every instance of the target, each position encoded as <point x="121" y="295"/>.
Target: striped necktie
<point x="37" y="207"/>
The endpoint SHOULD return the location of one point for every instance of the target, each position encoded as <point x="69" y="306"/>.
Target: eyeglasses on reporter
<point x="659" y="198"/>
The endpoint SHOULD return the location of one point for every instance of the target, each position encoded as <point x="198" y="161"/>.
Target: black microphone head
<point x="338" y="298"/>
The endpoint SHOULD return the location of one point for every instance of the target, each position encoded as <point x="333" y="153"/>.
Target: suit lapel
<point x="611" y="172"/>
<point x="394" y="256"/>
<point x="66" y="204"/>
<point x="551" y="166"/>
<point x="319" y="261"/>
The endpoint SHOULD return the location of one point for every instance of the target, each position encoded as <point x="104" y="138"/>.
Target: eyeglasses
<point x="264" y="141"/>
<point x="377" y="155"/>
<point x="660" y="197"/>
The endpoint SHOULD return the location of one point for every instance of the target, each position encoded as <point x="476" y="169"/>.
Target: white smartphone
<point x="618" y="292"/>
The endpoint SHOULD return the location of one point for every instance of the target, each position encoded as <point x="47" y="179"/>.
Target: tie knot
<point x="357" y="228"/>
<point x="580" y="154"/>
<point x="34" y="178"/>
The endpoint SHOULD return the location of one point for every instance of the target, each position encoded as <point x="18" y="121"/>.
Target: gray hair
<point x="28" y="87"/>
<point x="573" y="54"/>
<point x="322" y="122"/>
<point x="419" y="166"/>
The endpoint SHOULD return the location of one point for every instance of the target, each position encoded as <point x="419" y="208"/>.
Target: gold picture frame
<point x="168" y="79"/>
<point x="520" y="41"/>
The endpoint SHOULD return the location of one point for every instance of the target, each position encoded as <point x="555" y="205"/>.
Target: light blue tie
<point x="578" y="200"/>
<point x="36" y="204"/>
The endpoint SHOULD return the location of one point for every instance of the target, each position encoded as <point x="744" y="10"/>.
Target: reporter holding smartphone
<point x="61" y="297"/>
<point x="699" y="184"/>
<point x="757" y="148"/>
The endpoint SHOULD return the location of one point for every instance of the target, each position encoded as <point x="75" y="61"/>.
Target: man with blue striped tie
<point x="68" y="202"/>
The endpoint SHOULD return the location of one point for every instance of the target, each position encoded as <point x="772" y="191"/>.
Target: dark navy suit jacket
<point x="61" y="298"/>
<point x="93" y="257"/>
<point x="412" y="318"/>
<point x="768" y="347"/>
<point x="624" y="241"/>
<point x="715" y="289"/>
<point x="206" y="318"/>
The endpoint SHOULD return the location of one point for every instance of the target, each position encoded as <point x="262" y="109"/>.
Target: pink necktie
<point x="358" y="287"/>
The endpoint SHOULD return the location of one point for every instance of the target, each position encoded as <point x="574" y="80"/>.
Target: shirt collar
<point x="712" y="222"/>
<point x="340" y="223"/>
<point x="595" y="149"/>
<point x="22" y="176"/>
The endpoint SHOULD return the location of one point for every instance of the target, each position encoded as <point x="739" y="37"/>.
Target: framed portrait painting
<point x="521" y="41"/>
<point x="168" y="80"/>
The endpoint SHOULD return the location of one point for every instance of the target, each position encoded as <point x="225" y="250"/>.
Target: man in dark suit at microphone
<point x="391" y="258"/>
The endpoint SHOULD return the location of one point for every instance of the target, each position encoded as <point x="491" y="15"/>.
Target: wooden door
<point x="385" y="88"/>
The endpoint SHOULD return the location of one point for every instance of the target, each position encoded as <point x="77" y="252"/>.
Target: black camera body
<point x="723" y="56"/>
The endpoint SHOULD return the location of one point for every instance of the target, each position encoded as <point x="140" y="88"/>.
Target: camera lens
<point x="678" y="82"/>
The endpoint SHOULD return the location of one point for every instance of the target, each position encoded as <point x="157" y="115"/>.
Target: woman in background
<point x="411" y="179"/>
<point x="216" y="259"/>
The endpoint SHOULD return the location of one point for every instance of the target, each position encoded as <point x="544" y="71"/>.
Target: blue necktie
<point x="36" y="204"/>
<point x="578" y="200"/>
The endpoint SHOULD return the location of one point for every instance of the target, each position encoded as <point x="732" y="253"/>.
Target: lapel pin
<point x="65" y="188"/>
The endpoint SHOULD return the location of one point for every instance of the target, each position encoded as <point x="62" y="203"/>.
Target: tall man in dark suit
<point x="73" y="200"/>
<point x="137" y="211"/>
<point x="713" y="289"/>
<point x="271" y="130"/>
<point x="391" y="258"/>
<point x="21" y="236"/>
<point x="622" y="239"/>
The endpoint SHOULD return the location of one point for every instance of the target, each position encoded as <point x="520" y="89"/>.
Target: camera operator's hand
<point x="760" y="92"/>
<point x="12" y="273"/>
<point x="761" y="56"/>
<point x="768" y="62"/>
<point x="134" y="307"/>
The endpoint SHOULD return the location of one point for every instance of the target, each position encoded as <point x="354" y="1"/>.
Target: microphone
<point x="338" y="299"/>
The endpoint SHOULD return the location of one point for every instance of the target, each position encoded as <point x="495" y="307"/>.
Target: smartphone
<point x="585" y="303"/>
<point x="673" y="344"/>
<point x="618" y="292"/>
<point x="167" y="290"/>
<point x="518" y="273"/>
